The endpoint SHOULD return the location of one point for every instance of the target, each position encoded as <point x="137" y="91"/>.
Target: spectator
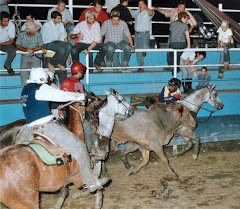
<point x="173" y="15"/>
<point x="179" y="36"/>
<point x="52" y="31"/>
<point x="30" y="18"/>
<point x="4" y="6"/>
<point x="72" y="83"/>
<point x="126" y="17"/>
<point x="189" y="58"/>
<point x="142" y="27"/>
<point x="67" y="18"/>
<point x="110" y="4"/>
<point x="29" y="41"/>
<point x="7" y="31"/>
<point x="170" y="93"/>
<point x="203" y="78"/>
<point x="99" y="13"/>
<point x="88" y="34"/>
<point x="114" y="30"/>
<point x="225" y="41"/>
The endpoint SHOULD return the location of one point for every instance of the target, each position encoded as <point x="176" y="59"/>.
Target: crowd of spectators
<point x="99" y="30"/>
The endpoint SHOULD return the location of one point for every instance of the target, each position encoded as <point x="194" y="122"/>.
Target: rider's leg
<point x="73" y="145"/>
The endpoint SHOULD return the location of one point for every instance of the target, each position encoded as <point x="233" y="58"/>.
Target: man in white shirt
<point x="67" y="18"/>
<point x="53" y="32"/>
<point x="142" y="27"/>
<point x="30" y="18"/>
<point x="88" y="34"/>
<point x="7" y="36"/>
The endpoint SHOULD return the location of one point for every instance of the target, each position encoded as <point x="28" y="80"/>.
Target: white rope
<point x="17" y="20"/>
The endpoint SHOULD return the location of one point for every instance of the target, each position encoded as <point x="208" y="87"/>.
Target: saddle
<point x="47" y="150"/>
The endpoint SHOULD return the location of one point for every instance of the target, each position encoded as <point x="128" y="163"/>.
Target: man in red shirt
<point x="72" y="83"/>
<point x="99" y="13"/>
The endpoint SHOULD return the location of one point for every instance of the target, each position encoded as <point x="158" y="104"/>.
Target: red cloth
<point x="177" y="96"/>
<point x="101" y="18"/>
<point x="68" y="84"/>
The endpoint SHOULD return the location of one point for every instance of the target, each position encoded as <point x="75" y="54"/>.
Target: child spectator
<point x="225" y="41"/>
<point x="189" y="58"/>
<point x="203" y="78"/>
<point x="170" y="93"/>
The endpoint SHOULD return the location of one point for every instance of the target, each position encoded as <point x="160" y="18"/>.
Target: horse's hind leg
<point x="158" y="149"/>
<point x="99" y="199"/>
<point x="145" y="160"/>
<point x="63" y="194"/>
<point x="186" y="148"/>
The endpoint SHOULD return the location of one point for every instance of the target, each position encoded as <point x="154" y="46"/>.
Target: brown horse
<point x="21" y="179"/>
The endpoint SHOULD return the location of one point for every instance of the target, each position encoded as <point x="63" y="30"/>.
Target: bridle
<point x="200" y="107"/>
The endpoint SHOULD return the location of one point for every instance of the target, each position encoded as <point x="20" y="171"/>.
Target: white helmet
<point x="38" y="75"/>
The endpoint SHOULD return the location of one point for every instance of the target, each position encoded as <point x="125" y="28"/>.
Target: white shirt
<point x="142" y="20"/>
<point x="37" y="22"/>
<point x="188" y="54"/>
<point x="66" y="15"/>
<point x="88" y="35"/>
<point x="223" y="36"/>
<point x="110" y="4"/>
<point x="7" y="32"/>
<point x="51" y="32"/>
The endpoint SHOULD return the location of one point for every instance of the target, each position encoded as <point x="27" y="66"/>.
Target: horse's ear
<point x="213" y="86"/>
<point x="113" y="91"/>
<point x="107" y="92"/>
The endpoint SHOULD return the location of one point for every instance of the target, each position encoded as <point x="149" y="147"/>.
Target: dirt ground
<point x="211" y="182"/>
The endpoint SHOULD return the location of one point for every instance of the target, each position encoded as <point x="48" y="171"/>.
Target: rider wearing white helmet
<point x="35" y="99"/>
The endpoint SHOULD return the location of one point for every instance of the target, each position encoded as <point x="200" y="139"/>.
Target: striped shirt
<point x="88" y="35"/>
<point x="114" y="34"/>
<point x="178" y="31"/>
<point x="173" y="14"/>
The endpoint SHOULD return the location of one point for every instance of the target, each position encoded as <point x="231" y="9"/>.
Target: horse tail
<point x="9" y="132"/>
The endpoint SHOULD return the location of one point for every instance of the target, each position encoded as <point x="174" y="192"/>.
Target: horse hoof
<point x="195" y="157"/>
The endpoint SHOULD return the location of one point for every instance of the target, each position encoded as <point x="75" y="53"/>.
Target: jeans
<point x="69" y="29"/>
<point x="141" y="41"/>
<point x="28" y="62"/>
<point x="79" y="47"/>
<point x="11" y="53"/>
<point x="224" y="56"/>
<point x="109" y="48"/>
<point x="176" y="45"/>
<point x="61" y="49"/>
<point x="185" y="72"/>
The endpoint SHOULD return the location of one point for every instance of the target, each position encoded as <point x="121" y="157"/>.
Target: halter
<point x="200" y="107"/>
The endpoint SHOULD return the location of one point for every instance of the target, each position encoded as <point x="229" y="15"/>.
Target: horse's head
<point x="92" y="101"/>
<point x="213" y="98"/>
<point x="119" y="103"/>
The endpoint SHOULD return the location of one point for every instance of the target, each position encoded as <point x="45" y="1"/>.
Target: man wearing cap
<point x="88" y="34"/>
<point x="114" y="31"/>
<point x="29" y="41"/>
<point x="7" y="36"/>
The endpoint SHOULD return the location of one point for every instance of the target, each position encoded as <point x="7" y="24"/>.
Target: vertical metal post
<point x="149" y="5"/>
<point x="220" y="7"/>
<point x="70" y="4"/>
<point x="87" y="73"/>
<point x="175" y="63"/>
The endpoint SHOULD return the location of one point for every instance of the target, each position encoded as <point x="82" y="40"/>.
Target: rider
<point x="72" y="83"/>
<point x="171" y="93"/>
<point x="35" y="99"/>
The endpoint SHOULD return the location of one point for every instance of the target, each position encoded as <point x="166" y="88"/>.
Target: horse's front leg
<point x="99" y="199"/>
<point x="184" y="149"/>
<point x="145" y="160"/>
<point x="63" y="194"/>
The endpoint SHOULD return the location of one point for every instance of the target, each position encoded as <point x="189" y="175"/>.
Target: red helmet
<point x="77" y="67"/>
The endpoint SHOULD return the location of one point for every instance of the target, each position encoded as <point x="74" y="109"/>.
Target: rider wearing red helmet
<point x="72" y="83"/>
